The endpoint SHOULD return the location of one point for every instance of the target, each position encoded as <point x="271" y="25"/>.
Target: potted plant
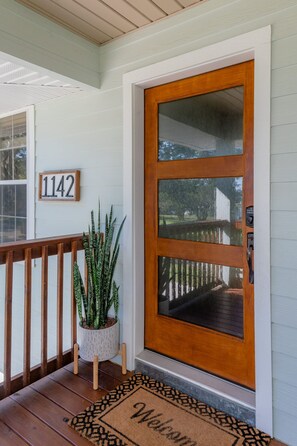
<point x="98" y="331"/>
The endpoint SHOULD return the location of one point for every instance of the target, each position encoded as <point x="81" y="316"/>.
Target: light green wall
<point x="211" y="22"/>
<point x="85" y="131"/>
<point x="29" y="36"/>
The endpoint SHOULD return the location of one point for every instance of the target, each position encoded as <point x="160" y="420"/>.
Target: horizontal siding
<point x="283" y="81"/>
<point x="282" y="196"/>
<point x="41" y="42"/>
<point x="285" y="368"/>
<point x="284" y="166"/>
<point x="283" y="282"/>
<point x="286" y="427"/>
<point x="284" y="225"/>
<point x="284" y="309"/>
<point x="284" y="137"/>
<point x="281" y="56"/>
<point x="80" y="104"/>
<point x="282" y="397"/>
<point x="284" y="253"/>
<point x="284" y="109"/>
<point x="284" y="340"/>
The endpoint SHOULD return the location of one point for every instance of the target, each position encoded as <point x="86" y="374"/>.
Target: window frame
<point x="30" y="180"/>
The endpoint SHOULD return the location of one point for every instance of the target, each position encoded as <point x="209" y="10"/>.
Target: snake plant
<point x="101" y="254"/>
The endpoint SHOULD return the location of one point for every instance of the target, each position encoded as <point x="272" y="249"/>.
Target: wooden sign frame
<point x="59" y="185"/>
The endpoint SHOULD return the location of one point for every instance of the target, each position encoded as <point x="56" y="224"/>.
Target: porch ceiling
<point x="21" y="85"/>
<point x="103" y="20"/>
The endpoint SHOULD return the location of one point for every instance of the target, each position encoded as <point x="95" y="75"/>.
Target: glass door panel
<point x="202" y="126"/>
<point x="202" y="294"/>
<point x="202" y="210"/>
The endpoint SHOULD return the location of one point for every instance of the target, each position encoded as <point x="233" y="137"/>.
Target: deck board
<point x="107" y="382"/>
<point x="77" y="385"/>
<point x="37" y="415"/>
<point x="49" y="413"/>
<point x="60" y="395"/>
<point x="9" y="438"/>
<point x="27" y="426"/>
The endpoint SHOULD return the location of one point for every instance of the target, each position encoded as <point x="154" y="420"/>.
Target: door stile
<point x="248" y="200"/>
<point x="150" y="203"/>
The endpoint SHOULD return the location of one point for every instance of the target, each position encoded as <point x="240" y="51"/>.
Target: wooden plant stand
<point x="122" y="352"/>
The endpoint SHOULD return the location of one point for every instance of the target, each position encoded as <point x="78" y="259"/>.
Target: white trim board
<point x="30" y="180"/>
<point x="256" y="45"/>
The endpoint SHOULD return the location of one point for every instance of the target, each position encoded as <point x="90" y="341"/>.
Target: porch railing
<point x="182" y="278"/>
<point x="27" y="251"/>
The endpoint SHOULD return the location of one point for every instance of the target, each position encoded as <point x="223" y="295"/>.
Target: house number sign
<point x="59" y="185"/>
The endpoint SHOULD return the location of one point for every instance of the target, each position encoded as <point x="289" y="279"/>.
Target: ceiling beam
<point x="35" y="41"/>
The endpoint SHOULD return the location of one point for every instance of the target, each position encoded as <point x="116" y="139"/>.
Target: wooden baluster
<point x="167" y="290"/>
<point x="173" y="264"/>
<point x="200" y="274"/>
<point x="190" y="276"/>
<point x="179" y="281"/>
<point x="185" y="276"/>
<point x="95" y="373"/>
<point x="60" y="274"/>
<point x="196" y="278"/>
<point x="27" y="316"/>
<point x="73" y="302"/>
<point x="8" y="323"/>
<point x="123" y="353"/>
<point x="44" y="305"/>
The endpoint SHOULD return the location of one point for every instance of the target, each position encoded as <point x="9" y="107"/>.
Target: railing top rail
<point x="36" y="245"/>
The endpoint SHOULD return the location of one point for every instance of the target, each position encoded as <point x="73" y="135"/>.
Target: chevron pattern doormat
<point x="145" y="412"/>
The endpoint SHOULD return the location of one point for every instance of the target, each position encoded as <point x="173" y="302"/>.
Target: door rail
<point x="27" y="251"/>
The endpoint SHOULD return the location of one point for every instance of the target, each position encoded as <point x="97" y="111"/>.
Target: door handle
<point x="249" y="257"/>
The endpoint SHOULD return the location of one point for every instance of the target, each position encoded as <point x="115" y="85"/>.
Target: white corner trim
<point x="30" y="172"/>
<point x="30" y="181"/>
<point x="256" y="45"/>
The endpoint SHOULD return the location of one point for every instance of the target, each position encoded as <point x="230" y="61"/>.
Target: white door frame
<point x="253" y="45"/>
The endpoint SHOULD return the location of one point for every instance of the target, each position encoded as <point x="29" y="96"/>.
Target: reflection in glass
<point x="21" y="200"/>
<point x="8" y="229"/>
<point x="6" y="165"/>
<point x="203" y="294"/>
<point x="6" y="132"/>
<point x="8" y="200"/>
<point x="13" y="204"/>
<point x="19" y="130"/>
<point x="21" y="228"/>
<point x="13" y="166"/>
<point x="20" y="163"/>
<point x="204" y="210"/>
<point x="202" y="126"/>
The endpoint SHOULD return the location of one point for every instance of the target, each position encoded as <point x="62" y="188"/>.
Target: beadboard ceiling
<point x="21" y="86"/>
<point x="100" y="21"/>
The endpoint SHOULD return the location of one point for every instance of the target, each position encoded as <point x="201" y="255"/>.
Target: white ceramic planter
<point x="103" y="342"/>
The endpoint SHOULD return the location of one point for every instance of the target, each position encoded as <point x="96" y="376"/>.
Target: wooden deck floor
<point x="38" y="414"/>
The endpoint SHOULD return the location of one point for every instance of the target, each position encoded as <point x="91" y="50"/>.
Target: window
<point x="15" y="159"/>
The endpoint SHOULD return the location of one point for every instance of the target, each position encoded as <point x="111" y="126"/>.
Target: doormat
<point x="145" y="412"/>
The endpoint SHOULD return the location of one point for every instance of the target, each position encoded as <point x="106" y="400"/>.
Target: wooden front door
<point x="199" y="306"/>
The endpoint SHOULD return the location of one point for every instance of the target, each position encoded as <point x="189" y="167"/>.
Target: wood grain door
<point x="199" y="301"/>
